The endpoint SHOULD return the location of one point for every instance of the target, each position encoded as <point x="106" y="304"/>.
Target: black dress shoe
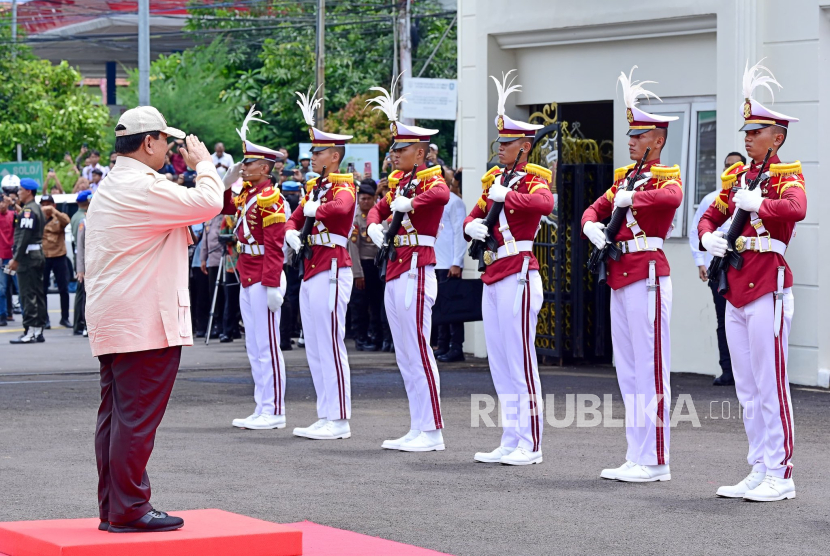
<point x="77" y="332"/>
<point x="152" y="521"/>
<point x="66" y="324"/>
<point x="3" y="321"/>
<point x="48" y="326"/>
<point x="439" y="351"/>
<point x="237" y="335"/>
<point x="286" y="346"/>
<point x="387" y="346"/>
<point x="451" y="357"/>
<point x="40" y="339"/>
<point x="104" y="526"/>
<point x="200" y="334"/>
<point x="224" y="339"/>
<point x="726" y="379"/>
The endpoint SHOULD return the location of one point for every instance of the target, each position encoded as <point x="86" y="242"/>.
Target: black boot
<point x="453" y="355"/>
<point x="441" y="350"/>
<point x="3" y="321"/>
<point x="152" y="521"/>
<point x="726" y="379"/>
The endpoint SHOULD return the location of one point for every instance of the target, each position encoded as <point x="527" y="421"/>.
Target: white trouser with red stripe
<point x="262" y="340"/>
<point x="323" y="330"/>
<point x="411" y="328"/>
<point x="642" y="353"/>
<point x="511" y="353"/>
<point x="759" y="363"/>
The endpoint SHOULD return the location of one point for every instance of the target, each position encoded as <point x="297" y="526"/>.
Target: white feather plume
<point x="505" y="89"/>
<point x="754" y="77"/>
<point x="308" y="103"/>
<point x="632" y="90"/>
<point x="386" y="101"/>
<point x="251" y="117"/>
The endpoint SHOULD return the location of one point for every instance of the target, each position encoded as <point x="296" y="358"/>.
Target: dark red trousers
<point x="135" y="388"/>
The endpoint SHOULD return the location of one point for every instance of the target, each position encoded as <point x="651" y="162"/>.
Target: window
<point x="690" y="144"/>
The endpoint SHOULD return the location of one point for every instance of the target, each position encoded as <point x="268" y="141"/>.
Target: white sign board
<point x="357" y="154"/>
<point x="430" y="99"/>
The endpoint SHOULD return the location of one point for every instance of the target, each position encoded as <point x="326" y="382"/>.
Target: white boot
<point x="521" y="456"/>
<point x="612" y="473"/>
<point x="644" y="474"/>
<point x="772" y="489"/>
<point x="332" y="430"/>
<point x="737" y="491"/>
<point x="240" y="423"/>
<point x="494" y="456"/>
<point x="395" y="444"/>
<point x="265" y="422"/>
<point x="427" y="441"/>
<point x="304" y="431"/>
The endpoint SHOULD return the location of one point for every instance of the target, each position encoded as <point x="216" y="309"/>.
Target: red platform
<point x="206" y="533"/>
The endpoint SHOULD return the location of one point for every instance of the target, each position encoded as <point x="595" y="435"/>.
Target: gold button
<point x="249" y="279"/>
<point x="400" y="260"/>
<point x="625" y="274"/>
<point x="511" y="211"/>
<point x="312" y="266"/>
<point x="634" y="212"/>
<point x="751" y="285"/>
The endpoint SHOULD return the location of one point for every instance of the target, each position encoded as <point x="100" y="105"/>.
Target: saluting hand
<point x="194" y="152"/>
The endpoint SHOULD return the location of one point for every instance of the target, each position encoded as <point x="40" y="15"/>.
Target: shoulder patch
<point x="539" y="171"/>
<point x="309" y="185"/>
<point x="429" y="173"/>
<point x="783" y="170"/>
<point x="394" y="178"/>
<point x="730" y="175"/>
<point x="489" y="177"/>
<point x="340" y="179"/>
<point x="662" y="173"/>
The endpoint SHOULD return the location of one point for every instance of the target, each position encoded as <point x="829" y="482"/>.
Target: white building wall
<point x="573" y="51"/>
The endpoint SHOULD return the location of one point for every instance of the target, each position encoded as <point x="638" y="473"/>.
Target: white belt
<point x="411" y="279"/>
<point x="33" y="247"/>
<point x="779" y="300"/>
<point x="413" y="239"/>
<point x="510" y="248"/>
<point x="254" y="250"/>
<point x="760" y="244"/>
<point x="652" y="286"/>
<point x="328" y="240"/>
<point x="640" y="243"/>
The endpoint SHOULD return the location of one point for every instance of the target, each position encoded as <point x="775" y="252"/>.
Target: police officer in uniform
<point x="367" y="303"/>
<point x="28" y="262"/>
<point x="512" y="295"/>
<point x="641" y="288"/>
<point x="759" y="302"/>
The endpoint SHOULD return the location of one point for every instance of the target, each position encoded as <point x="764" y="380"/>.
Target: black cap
<point x="46" y="199"/>
<point x="367" y="187"/>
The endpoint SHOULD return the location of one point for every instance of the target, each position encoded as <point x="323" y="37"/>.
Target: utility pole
<point x="320" y="55"/>
<point x="405" y="45"/>
<point x="14" y="55"/>
<point x="144" y="52"/>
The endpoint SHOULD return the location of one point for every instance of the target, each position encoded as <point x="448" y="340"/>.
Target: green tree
<point x="44" y="107"/>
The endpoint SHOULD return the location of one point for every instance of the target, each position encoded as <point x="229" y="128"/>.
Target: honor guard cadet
<point x="759" y="308"/>
<point x="260" y="229"/>
<point x="329" y="204"/>
<point x="28" y="261"/>
<point x="411" y="286"/>
<point x="641" y="288"/>
<point x="512" y="294"/>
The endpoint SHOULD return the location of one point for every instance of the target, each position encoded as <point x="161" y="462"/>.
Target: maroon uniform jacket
<point x="528" y="201"/>
<point x="266" y="223"/>
<point x="336" y="213"/>
<point x="785" y="204"/>
<point x="431" y="194"/>
<point x="655" y="203"/>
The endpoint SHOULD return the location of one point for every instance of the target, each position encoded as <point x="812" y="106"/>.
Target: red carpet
<point x="206" y="533"/>
<point x="319" y="540"/>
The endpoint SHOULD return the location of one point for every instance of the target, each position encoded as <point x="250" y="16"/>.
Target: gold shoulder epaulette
<point x="620" y="173"/>
<point x="489" y="177"/>
<point x="783" y="170"/>
<point x="267" y="201"/>
<point x="388" y="197"/>
<point x="275" y="218"/>
<point x="429" y="173"/>
<point x="662" y="173"/>
<point x="539" y="171"/>
<point x="481" y="203"/>
<point x="730" y="175"/>
<point x="394" y="178"/>
<point x="309" y="185"/>
<point x="341" y="179"/>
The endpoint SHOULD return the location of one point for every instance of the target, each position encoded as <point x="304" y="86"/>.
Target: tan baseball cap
<point x="143" y="119"/>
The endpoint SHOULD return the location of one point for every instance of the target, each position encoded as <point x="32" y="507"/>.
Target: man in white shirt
<point x="449" y="256"/>
<point x="222" y="161"/>
<point x="94" y="159"/>
<point x="702" y="260"/>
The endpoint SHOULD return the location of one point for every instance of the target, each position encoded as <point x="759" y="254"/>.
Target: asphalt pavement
<point x="439" y="500"/>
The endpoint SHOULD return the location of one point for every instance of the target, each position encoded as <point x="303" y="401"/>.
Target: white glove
<point x="476" y="229"/>
<point x="232" y="175"/>
<point x="310" y="208"/>
<point x="401" y="204"/>
<point x="623" y="199"/>
<point x="292" y="238"/>
<point x="375" y="232"/>
<point x="274" y="299"/>
<point x="747" y="200"/>
<point x="714" y="243"/>
<point x="595" y="232"/>
<point x="498" y="192"/>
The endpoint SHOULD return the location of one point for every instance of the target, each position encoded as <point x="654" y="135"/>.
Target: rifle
<point x="720" y="265"/>
<point x="305" y="251"/>
<point x="387" y="251"/>
<point x="477" y="246"/>
<point x="596" y="264"/>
